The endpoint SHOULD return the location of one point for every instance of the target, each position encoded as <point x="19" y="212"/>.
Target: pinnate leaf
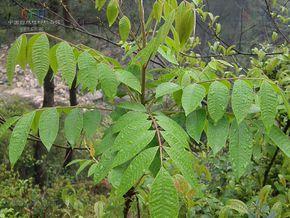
<point x="88" y="71"/>
<point x="19" y="136"/>
<point x="66" y="62"/>
<point x="124" y="28"/>
<point x="241" y="144"/>
<point x="217" y="134"/>
<point x="166" y="88"/>
<point x="22" y="54"/>
<point x="48" y="127"/>
<point x="163" y="199"/>
<point x="136" y="169"/>
<point x="53" y="59"/>
<point x="73" y="126"/>
<point x="268" y="104"/>
<point x="184" y="161"/>
<point x="128" y="135"/>
<point x="104" y="166"/>
<point x="92" y="120"/>
<point x="218" y="98"/>
<point x="40" y="57"/>
<point x="131" y="119"/>
<point x="192" y="97"/>
<point x="174" y="134"/>
<point x="195" y="123"/>
<point x="112" y="11"/>
<point x="132" y="106"/>
<point x="242" y="99"/>
<point x="12" y="56"/>
<point x="108" y="80"/>
<point x="128" y="151"/>
<point x="184" y="22"/>
<point x="128" y="79"/>
<point x="8" y="123"/>
<point x="281" y="140"/>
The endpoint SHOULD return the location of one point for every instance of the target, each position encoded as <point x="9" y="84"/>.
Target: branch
<point x="158" y="136"/>
<point x="228" y="55"/>
<point x="82" y="31"/>
<point x="237" y="52"/>
<point x="274" y="22"/>
<point x="37" y="139"/>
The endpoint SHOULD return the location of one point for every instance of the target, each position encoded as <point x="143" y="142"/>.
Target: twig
<point x="274" y="22"/>
<point x="82" y="31"/>
<point x="158" y="136"/>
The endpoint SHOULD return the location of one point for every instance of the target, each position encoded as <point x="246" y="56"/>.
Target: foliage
<point x="176" y="118"/>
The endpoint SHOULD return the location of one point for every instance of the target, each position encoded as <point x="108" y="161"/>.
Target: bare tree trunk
<point x="48" y="101"/>
<point x="73" y="102"/>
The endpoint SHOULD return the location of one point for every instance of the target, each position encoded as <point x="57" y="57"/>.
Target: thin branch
<point x="37" y="139"/>
<point x="144" y="42"/>
<point x="82" y="31"/>
<point x="70" y="15"/>
<point x="228" y="55"/>
<point x="155" y="125"/>
<point x="274" y="22"/>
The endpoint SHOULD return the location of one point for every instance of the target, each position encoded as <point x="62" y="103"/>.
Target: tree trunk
<point x="48" y="101"/>
<point x="73" y="102"/>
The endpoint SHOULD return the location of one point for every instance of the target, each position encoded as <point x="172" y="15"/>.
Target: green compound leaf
<point x="217" y="99"/>
<point x="136" y="169"/>
<point x="192" y="97"/>
<point x="124" y="28"/>
<point x="184" y="161"/>
<point x="15" y="56"/>
<point x="48" y="126"/>
<point x="92" y="120"/>
<point x="195" y="123"/>
<point x="166" y="88"/>
<point x="108" y="80"/>
<point x="53" y="59"/>
<point x="268" y="104"/>
<point x="217" y="134"/>
<point x="132" y="119"/>
<point x="132" y="106"/>
<point x="163" y="199"/>
<point x="19" y="137"/>
<point x="8" y="123"/>
<point x="73" y="126"/>
<point x="112" y="11"/>
<point x="88" y="71"/>
<point x="66" y="62"/>
<point x="128" y="79"/>
<point x="21" y="58"/>
<point x="174" y="134"/>
<point x="281" y="140"/>
<point x="128" y="135"/>
<point x="185" y="22"/>
<point x="128" y="151"/>
<point x="104" y="166"/>
<point x="241" y="146"/>
<point x="40" y="57"/>
<point x="242" y="99"/>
